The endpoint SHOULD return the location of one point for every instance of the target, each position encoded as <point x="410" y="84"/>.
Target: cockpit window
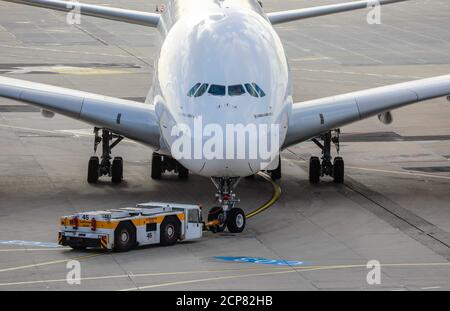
<point x="217" y="90"/>
<point x="251" y="90"/>
<point x="202" y="90"/>
<point x="259" y="90"/>
<point x="199" y="89"/>
<point x="194" y="89"/>
<point x="236" y="90"/>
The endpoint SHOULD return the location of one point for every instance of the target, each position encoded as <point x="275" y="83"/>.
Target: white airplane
<point x="220" y="62"/>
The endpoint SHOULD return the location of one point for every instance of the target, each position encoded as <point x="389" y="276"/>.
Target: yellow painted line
<point x="291" y="270"/>
<point x="48" y="263"/>
<point x="275" y="196"/>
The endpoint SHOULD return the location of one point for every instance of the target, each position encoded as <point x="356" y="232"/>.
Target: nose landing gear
<point x="96" y="169"/>
<point x="329" y="166"/>
<point x="227" y="215"/>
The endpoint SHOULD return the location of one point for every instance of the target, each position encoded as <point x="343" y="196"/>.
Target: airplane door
<point x="194" y="225"/>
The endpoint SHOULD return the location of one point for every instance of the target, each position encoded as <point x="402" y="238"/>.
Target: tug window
<point x="193" y="216"/>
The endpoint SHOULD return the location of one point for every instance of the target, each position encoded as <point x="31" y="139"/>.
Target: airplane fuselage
<point x="221" y="74"/>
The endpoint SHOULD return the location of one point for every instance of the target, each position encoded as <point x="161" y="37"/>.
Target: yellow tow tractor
<point x="126" y="228"/>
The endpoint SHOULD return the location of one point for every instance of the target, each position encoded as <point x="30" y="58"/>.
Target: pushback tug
<point x="125" y="228"/>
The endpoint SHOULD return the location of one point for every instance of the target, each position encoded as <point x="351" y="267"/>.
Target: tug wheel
<point x="124" y="237"/>
<point x="169" y="231"/>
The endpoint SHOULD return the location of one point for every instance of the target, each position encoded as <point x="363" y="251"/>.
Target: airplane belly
<point x="226" y="168"/>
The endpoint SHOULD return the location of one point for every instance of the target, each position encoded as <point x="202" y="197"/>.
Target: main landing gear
<point x="328" y="167"/>
<point x="227" y="215"/>
<point x="98" y="168"/>
<point x="162" y="163"/>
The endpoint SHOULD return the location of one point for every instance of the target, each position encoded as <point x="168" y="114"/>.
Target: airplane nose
<point x="219" y="147"/>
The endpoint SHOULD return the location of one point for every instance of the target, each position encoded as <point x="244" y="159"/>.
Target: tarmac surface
<point x="394" y="206"/>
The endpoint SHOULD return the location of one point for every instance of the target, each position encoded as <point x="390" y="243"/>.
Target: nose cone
<point x="226" y="142"/>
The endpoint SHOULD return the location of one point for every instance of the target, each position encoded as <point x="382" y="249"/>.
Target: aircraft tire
<point x="236" y="220"/>
<point x="183" y="173"/>
<point x="314" y="170"/>
<point x="117" y="170"/>
<point x="156" y="166"/>
<point x="338" y="170"/>
<point x="92" y="177"/>
<point x="276" y="173"/>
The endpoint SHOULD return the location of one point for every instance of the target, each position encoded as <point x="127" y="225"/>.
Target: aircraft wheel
<point x="236" y="220"/>
<point x="92" y="177"/>
<point x="217" y="213"/>
<point x="314" y="170"/>
<point x="276" y="173"/>
<point x="183" y="173"/>
<point x="117" y="170"/>
<point x="338" y="170"/>
<point x="156" y="166"/>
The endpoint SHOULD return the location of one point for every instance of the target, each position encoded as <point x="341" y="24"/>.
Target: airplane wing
<point x="127" y="16"/>
<point x="292" y="15"/>
<point x="312" y="118"/>
<point x="131" y="119"/>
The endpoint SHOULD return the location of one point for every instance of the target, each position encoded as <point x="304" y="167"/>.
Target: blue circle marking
<point x="261" y="261"/>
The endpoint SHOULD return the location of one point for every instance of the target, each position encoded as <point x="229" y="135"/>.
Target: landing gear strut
<point x="98" y="168"/>
<point x="328" y="166"/>
<point x="162" y="163"/>
<point x="227" y="214"/>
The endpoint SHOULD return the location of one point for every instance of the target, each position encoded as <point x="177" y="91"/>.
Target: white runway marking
<point x="9" y="250"/>
<point x="30" y="243"/>
<point x="400" y="173"/>
<point x="381" y="75"/>
<point x="64" y="133"/>
<point x="140" y="275"/>
<point x="267" y="272"/>
<point x="292" y="270"/>
<point x="28" y="129"/>
<point x="48" y="263"/>
<point x="62" y="51"/>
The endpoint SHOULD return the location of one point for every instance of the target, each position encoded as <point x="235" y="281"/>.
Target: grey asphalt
<point x="394" y="206"/>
